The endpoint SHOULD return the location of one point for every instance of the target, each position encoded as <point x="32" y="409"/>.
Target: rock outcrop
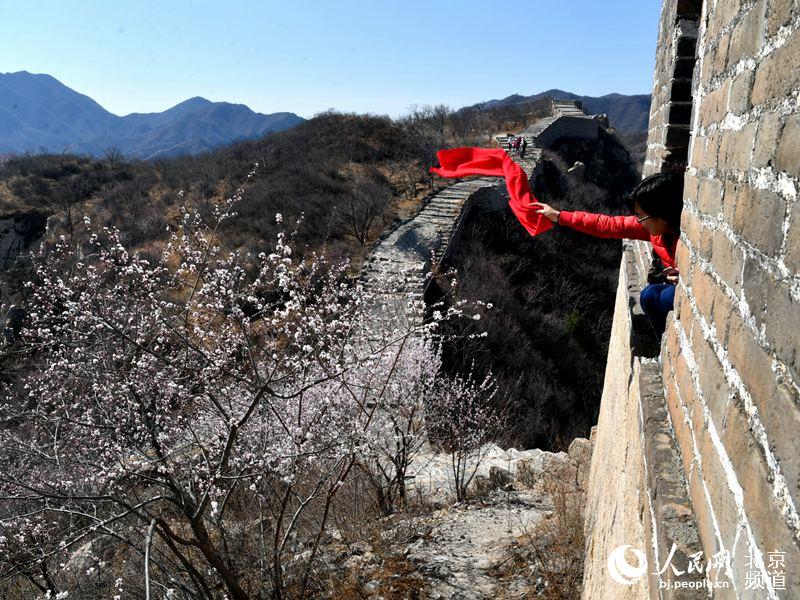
<point x="18" y="234"/>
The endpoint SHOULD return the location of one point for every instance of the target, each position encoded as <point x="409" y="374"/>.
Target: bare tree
<point x="365" y="207"/>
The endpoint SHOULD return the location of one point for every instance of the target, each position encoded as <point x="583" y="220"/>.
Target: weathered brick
<point x="712" y="379"/>
<point x="703" y="513"/>
<point x="712" y="151"/>
<point x="783" y="324"/>
<point x="675" y="399"/>
<point x="779" y="12"/>
<point x="713" y="105"/>
<point x="683" y="434"/>
<point x="684" y="314"/>
<point x="787" y="156"/>
<point x="747" y="35"/>
<point x="761" y="508"/>
<point x="690" y="185"/>
<point x="736" y="147"/>
<point x="709" y="196"/>
<point x="691" y="227"/>
<point x="728" y="261"/>
<point x="698" y="147"/>
<point x="682" y="262"/>
<point x="777" y="77"/>
<point x="704" y="150"/>
<point x="721" y="313"/>
<point x="673" y="342"/>
<point x="720" y="57"/>
<point x="703" y="290"/>
<point x="704" y="247"/>
<point x="683" y="376"/>
<point x="752" y="364"/>
<point x="722" y="498"/>
<point x="739" y="100"/>
<point x="763" y="513"/>
<point x="734" y="191"/>
<point x="776" y="405"/>
<point x="792" y="259"/>
<point x="755" y="283"/>
<point x="769" y="129"/>
<point x="781" y="419"/>
<point x="758" y="218"/>
<point x="724" y="12"/>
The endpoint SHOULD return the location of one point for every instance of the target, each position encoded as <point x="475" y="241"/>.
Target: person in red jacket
<point x="657" y="201"/>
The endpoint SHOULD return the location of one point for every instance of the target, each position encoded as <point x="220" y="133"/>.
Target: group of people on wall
<point x="517" y="144"/>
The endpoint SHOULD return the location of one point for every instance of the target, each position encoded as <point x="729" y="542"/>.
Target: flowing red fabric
<point x="460" y="162"/>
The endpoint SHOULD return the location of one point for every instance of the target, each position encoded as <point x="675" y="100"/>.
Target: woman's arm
<point x="605" y="226"/>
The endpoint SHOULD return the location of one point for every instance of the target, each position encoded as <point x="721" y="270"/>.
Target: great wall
<point x="697" y="442"/>
<point x="696" y="453"/>
<point x="410" y="251"/>
<point x="696" y="462"/>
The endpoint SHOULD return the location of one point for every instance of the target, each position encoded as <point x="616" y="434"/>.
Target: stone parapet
<point x="637" y="491"/>
<point x="730" y="357"/>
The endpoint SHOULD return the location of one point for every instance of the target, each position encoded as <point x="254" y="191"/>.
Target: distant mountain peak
<point x="195" y="101"/>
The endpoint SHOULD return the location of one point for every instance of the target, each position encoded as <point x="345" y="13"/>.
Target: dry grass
<point x="558" y="544"/>
<point x="549" y="557"/>
<point x="382" y="570"/>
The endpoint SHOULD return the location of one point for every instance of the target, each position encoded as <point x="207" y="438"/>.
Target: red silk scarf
<point x="495" y="162"/>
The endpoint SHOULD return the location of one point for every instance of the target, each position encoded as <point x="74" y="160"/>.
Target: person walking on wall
<point x="522" y="148"/>
<point x="657" y="201"/>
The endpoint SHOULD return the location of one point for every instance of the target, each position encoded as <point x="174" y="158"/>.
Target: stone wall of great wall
<point x="697" y="439"/>
<point x="404" y="256"/>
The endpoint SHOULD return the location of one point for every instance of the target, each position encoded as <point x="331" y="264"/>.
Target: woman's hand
<point x="546" y="210"/>
<point x="671" y="275"/>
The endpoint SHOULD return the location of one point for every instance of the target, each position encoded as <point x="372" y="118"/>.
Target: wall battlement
<point x="722" y="394"/>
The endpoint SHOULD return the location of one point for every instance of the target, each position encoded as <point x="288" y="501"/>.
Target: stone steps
<point x="404" y="264"/>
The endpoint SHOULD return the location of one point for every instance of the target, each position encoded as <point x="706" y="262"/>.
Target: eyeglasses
<point x="640" y="219"/>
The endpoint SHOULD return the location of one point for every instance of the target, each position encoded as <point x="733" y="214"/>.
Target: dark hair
<point x="660" y="195"/>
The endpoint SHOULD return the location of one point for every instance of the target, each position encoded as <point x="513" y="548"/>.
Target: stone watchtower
<point x="697" y="450"/>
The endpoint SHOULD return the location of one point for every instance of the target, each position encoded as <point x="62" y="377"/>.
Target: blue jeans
<point x="657" y="299"/>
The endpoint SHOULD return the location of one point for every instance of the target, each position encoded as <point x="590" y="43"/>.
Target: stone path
<point x="481" y="548"/>
<point x="467" y="544"/>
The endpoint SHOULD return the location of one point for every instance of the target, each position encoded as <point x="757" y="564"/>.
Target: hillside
<point x="553" y="296"/>
<point x="39" y="113"/>
<point x="627" y="114"/>
<point x="361" y="174"/>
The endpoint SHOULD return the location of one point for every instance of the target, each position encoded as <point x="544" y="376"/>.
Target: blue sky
<point x="305" y="57"/>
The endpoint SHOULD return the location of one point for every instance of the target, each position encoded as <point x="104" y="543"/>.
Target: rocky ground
<point x="506" y="541"/>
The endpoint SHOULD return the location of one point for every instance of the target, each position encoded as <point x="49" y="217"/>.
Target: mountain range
<point x="38" y="112"/>
<point x="627" y="114"/>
